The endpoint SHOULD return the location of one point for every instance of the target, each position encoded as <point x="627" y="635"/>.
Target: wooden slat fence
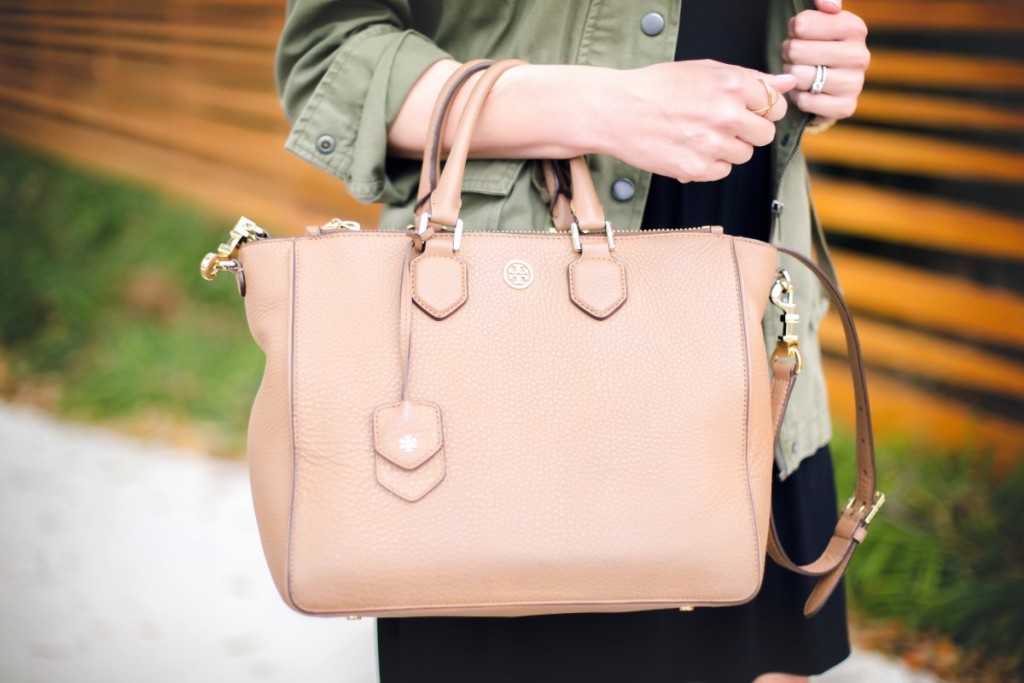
<point x="920" y="192"/>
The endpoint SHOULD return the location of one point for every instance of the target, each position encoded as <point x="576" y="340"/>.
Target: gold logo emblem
<point x="518" y="274"/>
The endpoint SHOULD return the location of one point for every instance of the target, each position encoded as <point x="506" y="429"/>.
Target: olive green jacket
<point x="344" y="68"/>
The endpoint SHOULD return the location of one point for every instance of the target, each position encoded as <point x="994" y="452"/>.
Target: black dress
<point x="727" y="644"/>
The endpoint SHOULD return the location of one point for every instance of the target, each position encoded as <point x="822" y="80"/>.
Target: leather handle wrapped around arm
<point x="431" y="168"/>
<point x="446" y="200"/>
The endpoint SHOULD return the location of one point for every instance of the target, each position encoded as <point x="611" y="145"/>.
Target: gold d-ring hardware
<point x="574" y="228"/>
<point x="782" y="296"/>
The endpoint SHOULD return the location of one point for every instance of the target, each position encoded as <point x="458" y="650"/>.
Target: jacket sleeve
<point x="343" y="69"/>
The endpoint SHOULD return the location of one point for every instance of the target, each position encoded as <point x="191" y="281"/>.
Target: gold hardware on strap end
<point x="782" y="296"/>
<point x="226" y="256"/>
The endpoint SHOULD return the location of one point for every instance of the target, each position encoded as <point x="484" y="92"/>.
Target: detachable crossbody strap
<point x="853" y="522"/>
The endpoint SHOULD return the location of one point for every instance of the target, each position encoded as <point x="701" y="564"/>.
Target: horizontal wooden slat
<point x="943" y="15"/>
<point x="937" y="70"/>
<point x="929" y="357"/>
<point x="879" y="150"/>
<point x="284" y="203"/>
<point x="902" y="410"/>
<point x="256" y="149"/>
<point x="894" y="216"/>
<point x="126" y="83"/>
<point x="930" y="111"/>
<point x="60" y="26"/>
<point x="931" y="300"/>
<point x="220" y="54"/>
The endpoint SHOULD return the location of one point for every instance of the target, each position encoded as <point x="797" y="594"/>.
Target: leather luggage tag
<point x="407" y="438"/>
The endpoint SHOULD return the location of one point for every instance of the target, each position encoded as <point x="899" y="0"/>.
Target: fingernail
<point x="834" y="3"/>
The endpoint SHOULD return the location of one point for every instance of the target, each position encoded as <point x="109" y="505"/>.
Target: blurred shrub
<point x="946" y="554"/>
<point x="100" y="296"/>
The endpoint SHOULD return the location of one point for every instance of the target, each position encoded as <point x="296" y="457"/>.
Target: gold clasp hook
<point x="783" y="297"/>
<point x="226" y="256"/>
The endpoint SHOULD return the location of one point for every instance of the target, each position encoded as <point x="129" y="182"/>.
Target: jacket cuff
<point x="343" y="127"/>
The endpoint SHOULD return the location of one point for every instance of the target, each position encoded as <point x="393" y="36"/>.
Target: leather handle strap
<point x="431" y="168"/>
<point x="852" y="526"/>
<point x="586" y="207"/>
<point x="446" y="200"/>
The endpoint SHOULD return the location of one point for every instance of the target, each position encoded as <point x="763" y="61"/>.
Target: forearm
<point x="535" y="111"/>
<point x="689" y="120"/>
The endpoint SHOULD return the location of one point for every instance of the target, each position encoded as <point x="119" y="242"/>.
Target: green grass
<point x="945" y="556"/>
<point x="100" y="295"/>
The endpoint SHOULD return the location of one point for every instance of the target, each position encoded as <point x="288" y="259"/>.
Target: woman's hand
<point x="837" y="40"/>
<point x="691" y="120"/>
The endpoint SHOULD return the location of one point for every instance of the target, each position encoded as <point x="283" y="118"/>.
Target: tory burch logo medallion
<point x="518" y="274"/>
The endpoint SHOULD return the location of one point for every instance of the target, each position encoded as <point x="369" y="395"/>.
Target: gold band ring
<point x="773" y="99"/>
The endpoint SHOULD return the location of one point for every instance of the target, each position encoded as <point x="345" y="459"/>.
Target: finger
<point x="826" y="106"/>
<point x="811" y="25"/>
<point x="828" y="5"/>
<point x="757" y="131"/>
<point x="771" y="106"/>
<point x="736" y="152"/>
<point x="716" y="171"/>
<point x="837" y="81"/>
<point x="761" y="94"/>
<point x="832" y="53"/>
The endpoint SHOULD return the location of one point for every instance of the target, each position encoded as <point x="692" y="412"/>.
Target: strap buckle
<point x="876" y="505"/>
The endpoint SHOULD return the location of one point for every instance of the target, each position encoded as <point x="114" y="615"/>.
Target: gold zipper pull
<point x="338" y="225"/>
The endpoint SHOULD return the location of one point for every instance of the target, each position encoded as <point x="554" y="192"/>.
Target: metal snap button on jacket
<point x="652" y="24"/>
<point x="623" y="189"/>
<point x="325" y="144"/>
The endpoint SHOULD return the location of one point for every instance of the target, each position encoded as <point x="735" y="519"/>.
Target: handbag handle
<point x="445" y="200"/>
<point x="563" y="212"/>
<point x="431" y="168"/>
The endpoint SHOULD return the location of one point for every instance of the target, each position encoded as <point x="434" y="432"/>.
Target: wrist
<point x="561" y="103"/>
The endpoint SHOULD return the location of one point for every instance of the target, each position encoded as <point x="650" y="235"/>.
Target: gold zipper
<point x="246" y="230"/>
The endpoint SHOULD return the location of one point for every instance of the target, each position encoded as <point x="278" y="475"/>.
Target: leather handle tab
<point x="852" y="526"/>
<point x="586" y="209"/>
<point x="446" y="201"/>
<point x="559" y="194"/>
<point x="431" y="168"/>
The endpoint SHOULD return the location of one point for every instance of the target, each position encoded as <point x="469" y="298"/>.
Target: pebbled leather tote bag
<point x="460" y="422"/>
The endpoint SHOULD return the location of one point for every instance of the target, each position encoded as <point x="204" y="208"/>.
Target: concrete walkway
<point x="127" y="561"/>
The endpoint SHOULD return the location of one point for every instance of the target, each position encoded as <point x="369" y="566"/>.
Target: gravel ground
<point x="122" y="560"/>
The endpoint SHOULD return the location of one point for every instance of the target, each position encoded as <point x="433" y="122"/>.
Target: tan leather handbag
<point x="457" y="422"/>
